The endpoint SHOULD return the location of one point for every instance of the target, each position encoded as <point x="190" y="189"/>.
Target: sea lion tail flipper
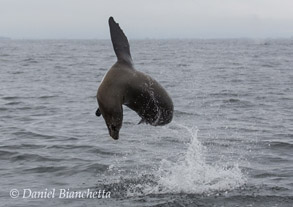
<point x="98" y="112"/>
<point x="120" y="42"/>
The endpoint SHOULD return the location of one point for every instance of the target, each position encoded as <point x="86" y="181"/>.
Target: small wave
<point x="45" y="169"/>
<point x="268" y="65"/>
<point x="47" y="97"/>
<point x="17" y="72"/>
<point x="103" y="152"/>
<point x="96" y="167"/>
<point x="268" y="189"/>
<point x="236" y="80"/>
<point x="4" y="55"/>
<point x="265" y="175"/>
<point x="182" y="65"/>
<point x="232" y="100"/>
<point x="29" y="60"/>
<point x="11" y="97"/>
<point x="224" y="94"/>
<point x="4" y="155"/>
<point x="24" y="108"/>
<point x="179" y="113"/>
<point x="69" y="146"/>
<point x="281" y="145"/>
<point x="14" y="103"/>
<point x="59" y="67"/>
<point x="33" y="135"/>
<point x="33" y="157"/>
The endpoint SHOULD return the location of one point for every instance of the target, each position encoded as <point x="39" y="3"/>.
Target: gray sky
<point x="146" y="18"/>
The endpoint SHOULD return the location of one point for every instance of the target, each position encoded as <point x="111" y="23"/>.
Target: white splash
<point x="192" y="174"/>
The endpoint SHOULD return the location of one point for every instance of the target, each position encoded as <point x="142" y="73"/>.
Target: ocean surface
<point x="230" y="142"/>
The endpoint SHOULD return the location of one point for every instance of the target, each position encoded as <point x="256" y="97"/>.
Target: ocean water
<point x="230" y="142"/>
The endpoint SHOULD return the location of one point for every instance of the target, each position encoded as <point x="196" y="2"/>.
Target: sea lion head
<point x="113" y="117"/>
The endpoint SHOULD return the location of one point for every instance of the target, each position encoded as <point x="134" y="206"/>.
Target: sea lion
<point x="124" y="85"/>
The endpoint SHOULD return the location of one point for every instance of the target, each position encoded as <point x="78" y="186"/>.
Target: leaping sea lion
<point x="124" y="85"/>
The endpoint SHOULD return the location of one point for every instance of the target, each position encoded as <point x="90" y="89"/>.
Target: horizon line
<point x="155" y="38"/>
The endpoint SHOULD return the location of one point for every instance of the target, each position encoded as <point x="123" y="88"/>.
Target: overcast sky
<point x="79" y="19"/>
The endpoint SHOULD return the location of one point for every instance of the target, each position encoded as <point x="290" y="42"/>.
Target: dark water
<point x="230" y="142"/>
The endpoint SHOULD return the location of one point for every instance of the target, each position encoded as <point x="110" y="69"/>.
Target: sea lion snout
<point x="113" y="131"/>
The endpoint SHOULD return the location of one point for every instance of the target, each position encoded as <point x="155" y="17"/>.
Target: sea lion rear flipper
<point x="98" y="112"/>
<point x="120" y="42"/>
<point x="142" y="121"/>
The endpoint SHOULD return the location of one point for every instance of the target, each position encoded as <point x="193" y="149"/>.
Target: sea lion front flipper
<point x="98" y="112"/>
<point x="120" y="42"/>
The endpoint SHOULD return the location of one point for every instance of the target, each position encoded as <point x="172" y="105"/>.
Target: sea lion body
<point x="124" y="85"/>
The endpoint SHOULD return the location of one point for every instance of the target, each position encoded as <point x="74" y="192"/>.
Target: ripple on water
<point x="30" y="134"/>
<point x="45" y="169"/>
<point x="34" y="158"/>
